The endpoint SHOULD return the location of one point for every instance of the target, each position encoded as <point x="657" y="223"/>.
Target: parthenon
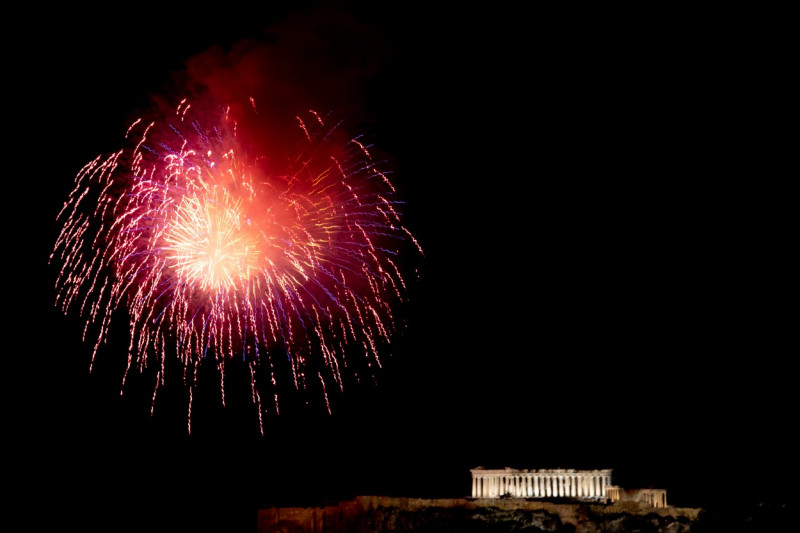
<point x="552" y="483"/>
<point x="582" y="485"/>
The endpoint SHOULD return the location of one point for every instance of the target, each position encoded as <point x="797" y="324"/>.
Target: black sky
<point x="604" y="281"/>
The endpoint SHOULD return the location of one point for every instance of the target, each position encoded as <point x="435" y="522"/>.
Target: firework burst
<point x="217" y="249"/>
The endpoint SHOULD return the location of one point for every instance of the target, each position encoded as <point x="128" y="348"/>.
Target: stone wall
<point x="372" y="514"/>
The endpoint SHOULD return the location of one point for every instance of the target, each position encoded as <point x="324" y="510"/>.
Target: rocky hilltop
<point x="373" y="514"/>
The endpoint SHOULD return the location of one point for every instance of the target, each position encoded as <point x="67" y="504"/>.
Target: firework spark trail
<point x="213" y="256"/>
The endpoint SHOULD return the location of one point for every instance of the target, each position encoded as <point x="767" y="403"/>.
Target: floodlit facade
<point x="557" y="483"/>
<point x="652" y="497"/>
<point x="581" y="485"/>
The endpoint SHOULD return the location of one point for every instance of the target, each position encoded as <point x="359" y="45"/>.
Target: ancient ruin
<point x="549" y="499"/>
<point x="577" y="484"/>
<point x="580" y="485"/>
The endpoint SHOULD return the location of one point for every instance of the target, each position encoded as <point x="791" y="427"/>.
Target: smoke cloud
<point x="320" y="59"/>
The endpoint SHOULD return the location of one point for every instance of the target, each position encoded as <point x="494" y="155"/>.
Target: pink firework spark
<point x="217" y="249"/>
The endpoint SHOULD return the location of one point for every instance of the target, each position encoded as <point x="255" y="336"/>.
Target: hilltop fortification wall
<point x="372" y="514"/>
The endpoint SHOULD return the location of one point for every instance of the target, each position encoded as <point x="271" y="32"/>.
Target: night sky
<point x="604" y="282"/>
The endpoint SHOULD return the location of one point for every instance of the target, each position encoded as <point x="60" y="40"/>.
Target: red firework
<point x="219" y="246"/>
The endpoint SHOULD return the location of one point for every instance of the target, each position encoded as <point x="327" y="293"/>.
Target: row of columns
<point x="537" y="485"/>
<point x="656" y="498"/>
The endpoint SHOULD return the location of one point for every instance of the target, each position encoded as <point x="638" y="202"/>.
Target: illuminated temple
<point x="582" y="485"/>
